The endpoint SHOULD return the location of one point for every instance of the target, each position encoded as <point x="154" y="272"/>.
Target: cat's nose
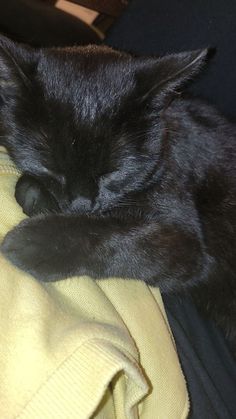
<point x="81" y="204"/>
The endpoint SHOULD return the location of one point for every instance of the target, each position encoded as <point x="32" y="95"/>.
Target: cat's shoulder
<point x="195" y="112"/>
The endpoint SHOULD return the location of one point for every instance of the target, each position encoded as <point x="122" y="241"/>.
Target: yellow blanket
<point x="80" y="348"/>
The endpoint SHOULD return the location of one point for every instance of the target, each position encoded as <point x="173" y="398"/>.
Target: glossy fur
<point x="122" y="176"/>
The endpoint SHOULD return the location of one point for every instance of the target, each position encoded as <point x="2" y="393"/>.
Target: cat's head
<point x="86" y="121"/>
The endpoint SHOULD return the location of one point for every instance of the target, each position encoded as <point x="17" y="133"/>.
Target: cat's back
<point x="200" y="137"/>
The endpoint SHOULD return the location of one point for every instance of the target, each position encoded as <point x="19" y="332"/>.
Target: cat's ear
<point x="17" y="62"/>
<point x="164" y="76"/>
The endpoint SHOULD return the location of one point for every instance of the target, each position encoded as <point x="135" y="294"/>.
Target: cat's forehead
<point x="85" y="70"/>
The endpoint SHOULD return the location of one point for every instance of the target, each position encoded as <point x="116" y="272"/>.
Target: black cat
<point x="122" y="176"/>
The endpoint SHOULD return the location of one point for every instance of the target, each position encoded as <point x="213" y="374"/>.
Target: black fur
<point x="123" y="176"/>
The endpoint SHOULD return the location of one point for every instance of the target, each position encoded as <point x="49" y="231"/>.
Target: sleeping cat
<point x="122" y="176"/>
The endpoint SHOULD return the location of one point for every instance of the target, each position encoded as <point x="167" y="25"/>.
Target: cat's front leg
<point x="54" y="247"/>
<point x="42" y="246"/>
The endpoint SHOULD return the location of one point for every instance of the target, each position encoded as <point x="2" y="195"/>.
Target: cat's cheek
<point x="33" y="197"/>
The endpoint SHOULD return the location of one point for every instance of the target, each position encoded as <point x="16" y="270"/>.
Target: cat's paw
<point x="35" y="247"/>
<point x="33" y="197"/>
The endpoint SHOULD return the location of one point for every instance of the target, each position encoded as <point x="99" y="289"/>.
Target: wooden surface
<point x="88" y="16"/>
<point x="108" y="7"/>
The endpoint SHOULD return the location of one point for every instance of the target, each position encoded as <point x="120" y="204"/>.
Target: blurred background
<point x="58" y="22"/>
